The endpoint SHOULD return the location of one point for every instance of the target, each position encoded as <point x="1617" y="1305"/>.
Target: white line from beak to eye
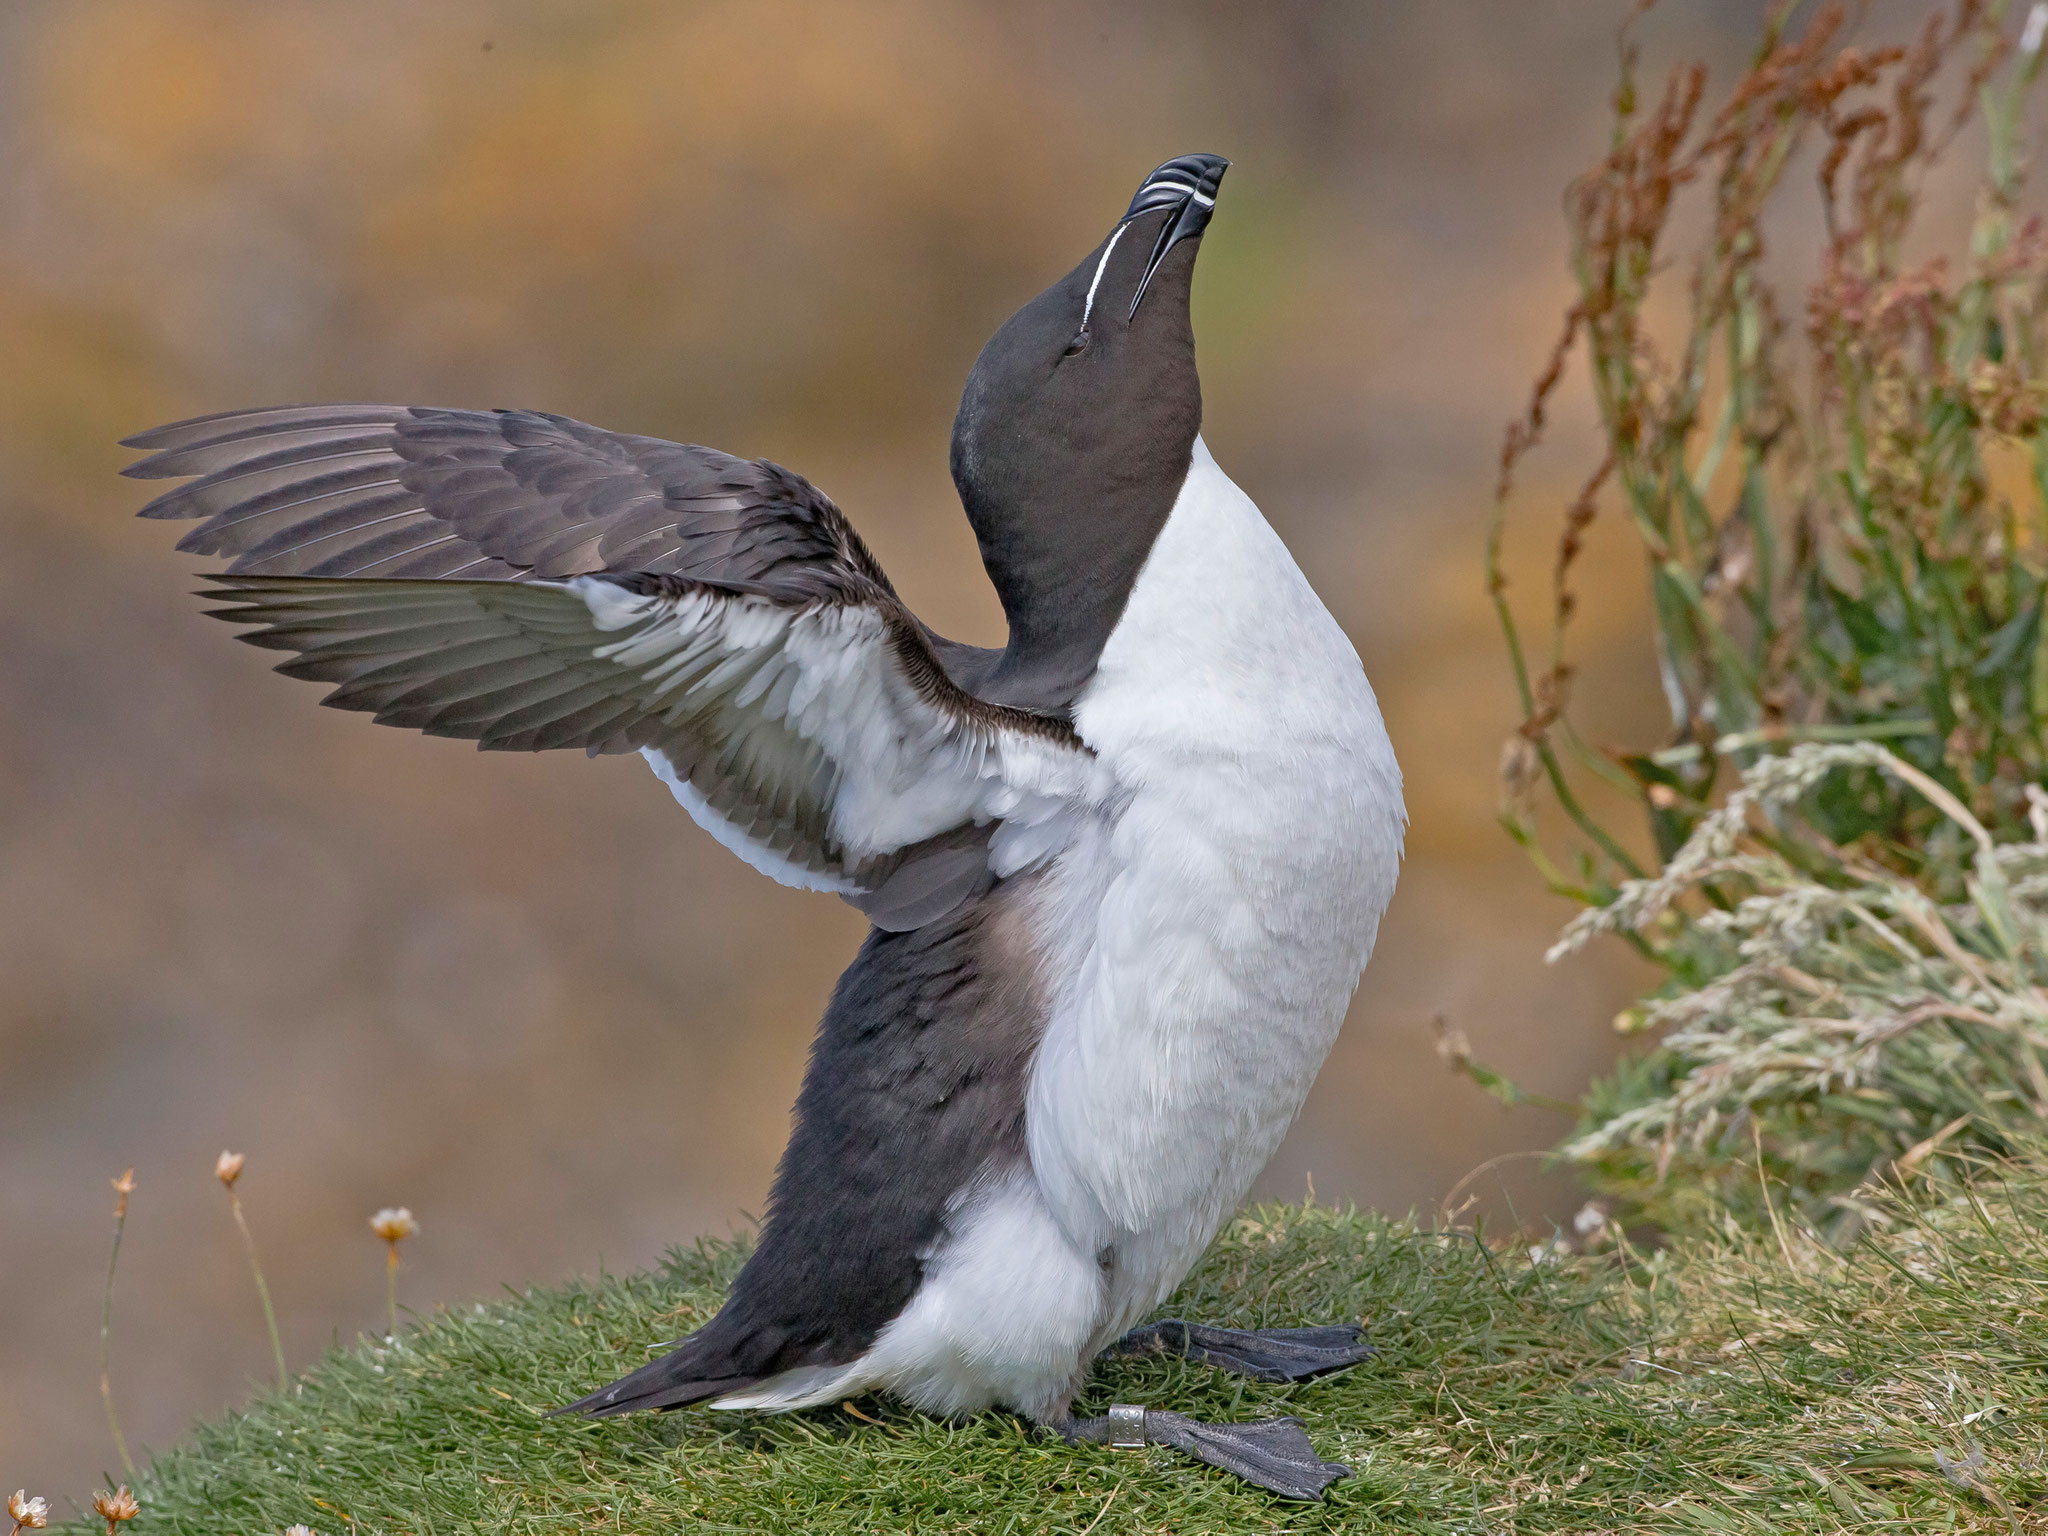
<point x="1088" y="308"/>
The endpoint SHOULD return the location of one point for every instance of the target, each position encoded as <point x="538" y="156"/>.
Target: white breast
<point x="1213" y="925"/>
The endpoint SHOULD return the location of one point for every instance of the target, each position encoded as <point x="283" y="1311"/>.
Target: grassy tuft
<point x="1833" y="1016"/>
<point x="1743" y="1380"/>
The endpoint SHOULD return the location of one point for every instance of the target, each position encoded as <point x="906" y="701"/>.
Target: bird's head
<point x="1076" y="429"/>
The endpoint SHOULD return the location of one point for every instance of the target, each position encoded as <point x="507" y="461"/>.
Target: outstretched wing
<point x="410" y="491"/>
<point x="716" y="614"/>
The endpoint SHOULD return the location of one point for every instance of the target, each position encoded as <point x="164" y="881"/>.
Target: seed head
<point x="27" y="1514"/>
<point x="1452" y="1046"/>
<point x="115" y="1507"/>
<point x="124" y="1186"/>
<point x="228" y="1168"/>
<point x="394" y="1224"/>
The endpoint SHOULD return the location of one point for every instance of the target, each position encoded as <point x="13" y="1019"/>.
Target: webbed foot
<point x="1274" y="1454"/>
<point x="1266" y="1354"/>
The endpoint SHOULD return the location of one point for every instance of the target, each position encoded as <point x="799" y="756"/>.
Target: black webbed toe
<point x="1267" y="1354"/>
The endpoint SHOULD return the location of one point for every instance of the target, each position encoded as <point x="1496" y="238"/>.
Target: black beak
<point x="1187" y="187"/>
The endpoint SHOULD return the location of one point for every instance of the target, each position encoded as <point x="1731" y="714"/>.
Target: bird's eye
<point x="1077" y="345"/>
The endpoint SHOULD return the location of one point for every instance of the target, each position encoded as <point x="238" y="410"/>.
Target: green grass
<point x="1741" y="1382"/>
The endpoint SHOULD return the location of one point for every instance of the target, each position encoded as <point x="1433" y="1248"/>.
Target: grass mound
<point x="1739" y="1381"/>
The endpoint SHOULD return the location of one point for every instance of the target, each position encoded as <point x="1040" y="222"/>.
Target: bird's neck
<point x="1063" y="563"/>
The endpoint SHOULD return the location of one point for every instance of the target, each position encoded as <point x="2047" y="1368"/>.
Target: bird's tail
<point x="677" y="1379"/>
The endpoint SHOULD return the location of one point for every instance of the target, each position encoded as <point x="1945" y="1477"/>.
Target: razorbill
<point x="1123" y="872"/>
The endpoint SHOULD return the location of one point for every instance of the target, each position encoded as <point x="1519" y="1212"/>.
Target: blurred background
<point x="525" y="996"/>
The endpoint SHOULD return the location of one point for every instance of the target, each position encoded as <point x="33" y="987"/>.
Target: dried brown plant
<point x="115" y="1506"/>
<point x="1840" y="499"/>
<point x="27" y="1514"/>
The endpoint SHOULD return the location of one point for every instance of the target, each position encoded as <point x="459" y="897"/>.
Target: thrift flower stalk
<point x="228" y="1168"/>
<point x="394" y="1224"/>
<point x="124" y="1186"/>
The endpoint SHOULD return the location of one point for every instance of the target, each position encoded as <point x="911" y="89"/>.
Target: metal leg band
<point x="1127" y="1426"/>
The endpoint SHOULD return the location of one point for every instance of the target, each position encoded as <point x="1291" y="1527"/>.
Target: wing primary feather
<point x="263" y="554"/>
<point x="216" y="454"/>
<point x="359" y="446"/>
<point x="197" y="498"/>
<point x="400" y="555"/>
<point x="195" y="430"/>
